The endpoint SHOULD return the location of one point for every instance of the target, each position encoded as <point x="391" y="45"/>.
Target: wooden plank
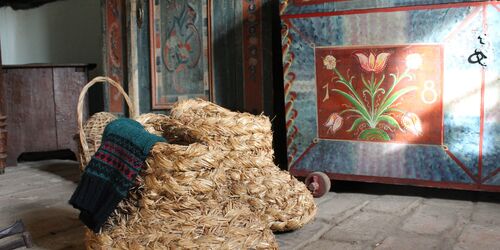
<point x="3" y="130"/>
<point x="143" y="66"/>
<point x="29" y="95"/>
<point x="2" y="92"/>
<point x="227" y="54"/>
<point x="68" y="83"/>
<point x="132" y="8"/>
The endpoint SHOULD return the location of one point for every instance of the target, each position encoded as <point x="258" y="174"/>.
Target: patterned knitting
<point x="112" y="171"/>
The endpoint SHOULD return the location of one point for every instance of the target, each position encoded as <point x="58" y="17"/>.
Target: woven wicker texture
<point x="90" y="133"/>
<point x="183" y="203"/>
<point x="285" y="202"/>
<point x="183" y="200"/>
<point x="213" y="186"/>
<point x="93" y="129"/>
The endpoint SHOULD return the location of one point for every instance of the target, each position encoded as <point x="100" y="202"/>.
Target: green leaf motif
<point x="387" y="103"/>
<point x="374" y="134"/>
<point x="354" y="102"/>
<point x="389" y="120"/>
<point x="356" y="124"/>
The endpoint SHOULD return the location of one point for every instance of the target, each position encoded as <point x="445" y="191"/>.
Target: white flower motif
<point x="330" y="62"/>
<point x="413" y="61"/>
<point x="411" y="122"/>
<point x="333" y="123"/>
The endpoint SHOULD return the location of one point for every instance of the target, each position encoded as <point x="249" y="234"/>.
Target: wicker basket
<point x="285" y="202"/>
<point x="213" y="186"/>
<point x="90" y="133"/>
<point x="183" y="201"/>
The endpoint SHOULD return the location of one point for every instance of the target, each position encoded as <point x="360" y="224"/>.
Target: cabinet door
<point x="30" y="111"/>
<point x="68" y="83"/>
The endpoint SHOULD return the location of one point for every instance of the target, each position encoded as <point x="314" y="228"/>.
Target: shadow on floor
<point x="425" y="192"/>
<point x="66" y="169"/>
<point x="54" y="228"/>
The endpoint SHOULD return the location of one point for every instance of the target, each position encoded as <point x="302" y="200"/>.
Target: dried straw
<point x="283" y="200"/>
<point x="183" y="203"/>
<point x="213" y="186"/>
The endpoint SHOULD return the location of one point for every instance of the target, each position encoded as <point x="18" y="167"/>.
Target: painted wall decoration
<point x="180" y="51"/>
<point x="394" y="91"/>
<point x="114" y="50"/>
<point x="385" y="93"/>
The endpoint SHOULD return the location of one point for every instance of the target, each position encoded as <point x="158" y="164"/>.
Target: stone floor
<point x="353" y="216"/>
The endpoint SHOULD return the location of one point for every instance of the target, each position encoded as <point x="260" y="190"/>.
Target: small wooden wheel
<point x="318" y="183"/>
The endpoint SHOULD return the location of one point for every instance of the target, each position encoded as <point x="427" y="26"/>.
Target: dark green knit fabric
<point x="112" y="170"/>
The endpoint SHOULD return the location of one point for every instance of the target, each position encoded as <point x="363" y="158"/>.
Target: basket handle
<point x="81" y="99"/>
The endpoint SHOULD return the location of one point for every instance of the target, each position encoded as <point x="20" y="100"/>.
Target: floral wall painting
<point x="180" y="51"/>
<point x="390" y="93"/>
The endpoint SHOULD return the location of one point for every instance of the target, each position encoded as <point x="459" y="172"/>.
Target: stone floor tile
<point x="486" y="213"/>
<point x="298" y="238"/>
<point x="393" y="204"/>
<point x="431" y="220"/>
<point x="479" y="237"/>
<point x="332" y="245"/>
<point x="455" y="204"/>
<point x="342" y="206"/>
<point x="327" y="197"/>
<point x="409" y="242"/>
<point x="364" y="226"/>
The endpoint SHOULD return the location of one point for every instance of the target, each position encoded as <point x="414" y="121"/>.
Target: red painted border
<point x="302" y="155"/>
<point x="464" y="23"/>
<point x="402" y="181"/>
<point x="462" y="166"/>
<point x="252" y="81"/>
<point x="314" y="2"/>
<point x="390" y="9"/>
<point x="481" y="111"/>
<point x="491" y="175"/>
<point x="114" y="59"/>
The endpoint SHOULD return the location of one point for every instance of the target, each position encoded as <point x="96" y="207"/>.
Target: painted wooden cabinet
<point x="232" y="37"/>
<point x="400" y="91"/>
<point x="40" y="104"/>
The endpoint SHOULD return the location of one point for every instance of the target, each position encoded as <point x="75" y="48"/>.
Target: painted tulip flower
<point x="330" y="62"/>
<point x="333" y="123"/>
<point x="372" y="63"/>
<point x="412" y="123"/>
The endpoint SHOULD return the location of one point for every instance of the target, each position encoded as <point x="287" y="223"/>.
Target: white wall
<point x="66" y="31"/>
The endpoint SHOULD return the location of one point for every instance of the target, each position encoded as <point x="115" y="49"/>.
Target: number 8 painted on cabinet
<point x="429" y="87"/>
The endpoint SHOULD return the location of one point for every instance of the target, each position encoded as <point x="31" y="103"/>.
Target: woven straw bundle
<point x="285" y="202"/>
<point x="183" y="203"/>
<point x="220" y="126"/>
<point x="212" y="186"/>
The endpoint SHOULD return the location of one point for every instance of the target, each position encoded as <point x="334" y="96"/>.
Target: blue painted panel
<point x="383" y="159"/>
<point x="491" y="143"/>
<point x="457" y="30"/>
<point x="362" y="4"/>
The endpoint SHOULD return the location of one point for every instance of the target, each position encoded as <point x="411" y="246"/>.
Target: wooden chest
<point x="400" y="92"/>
